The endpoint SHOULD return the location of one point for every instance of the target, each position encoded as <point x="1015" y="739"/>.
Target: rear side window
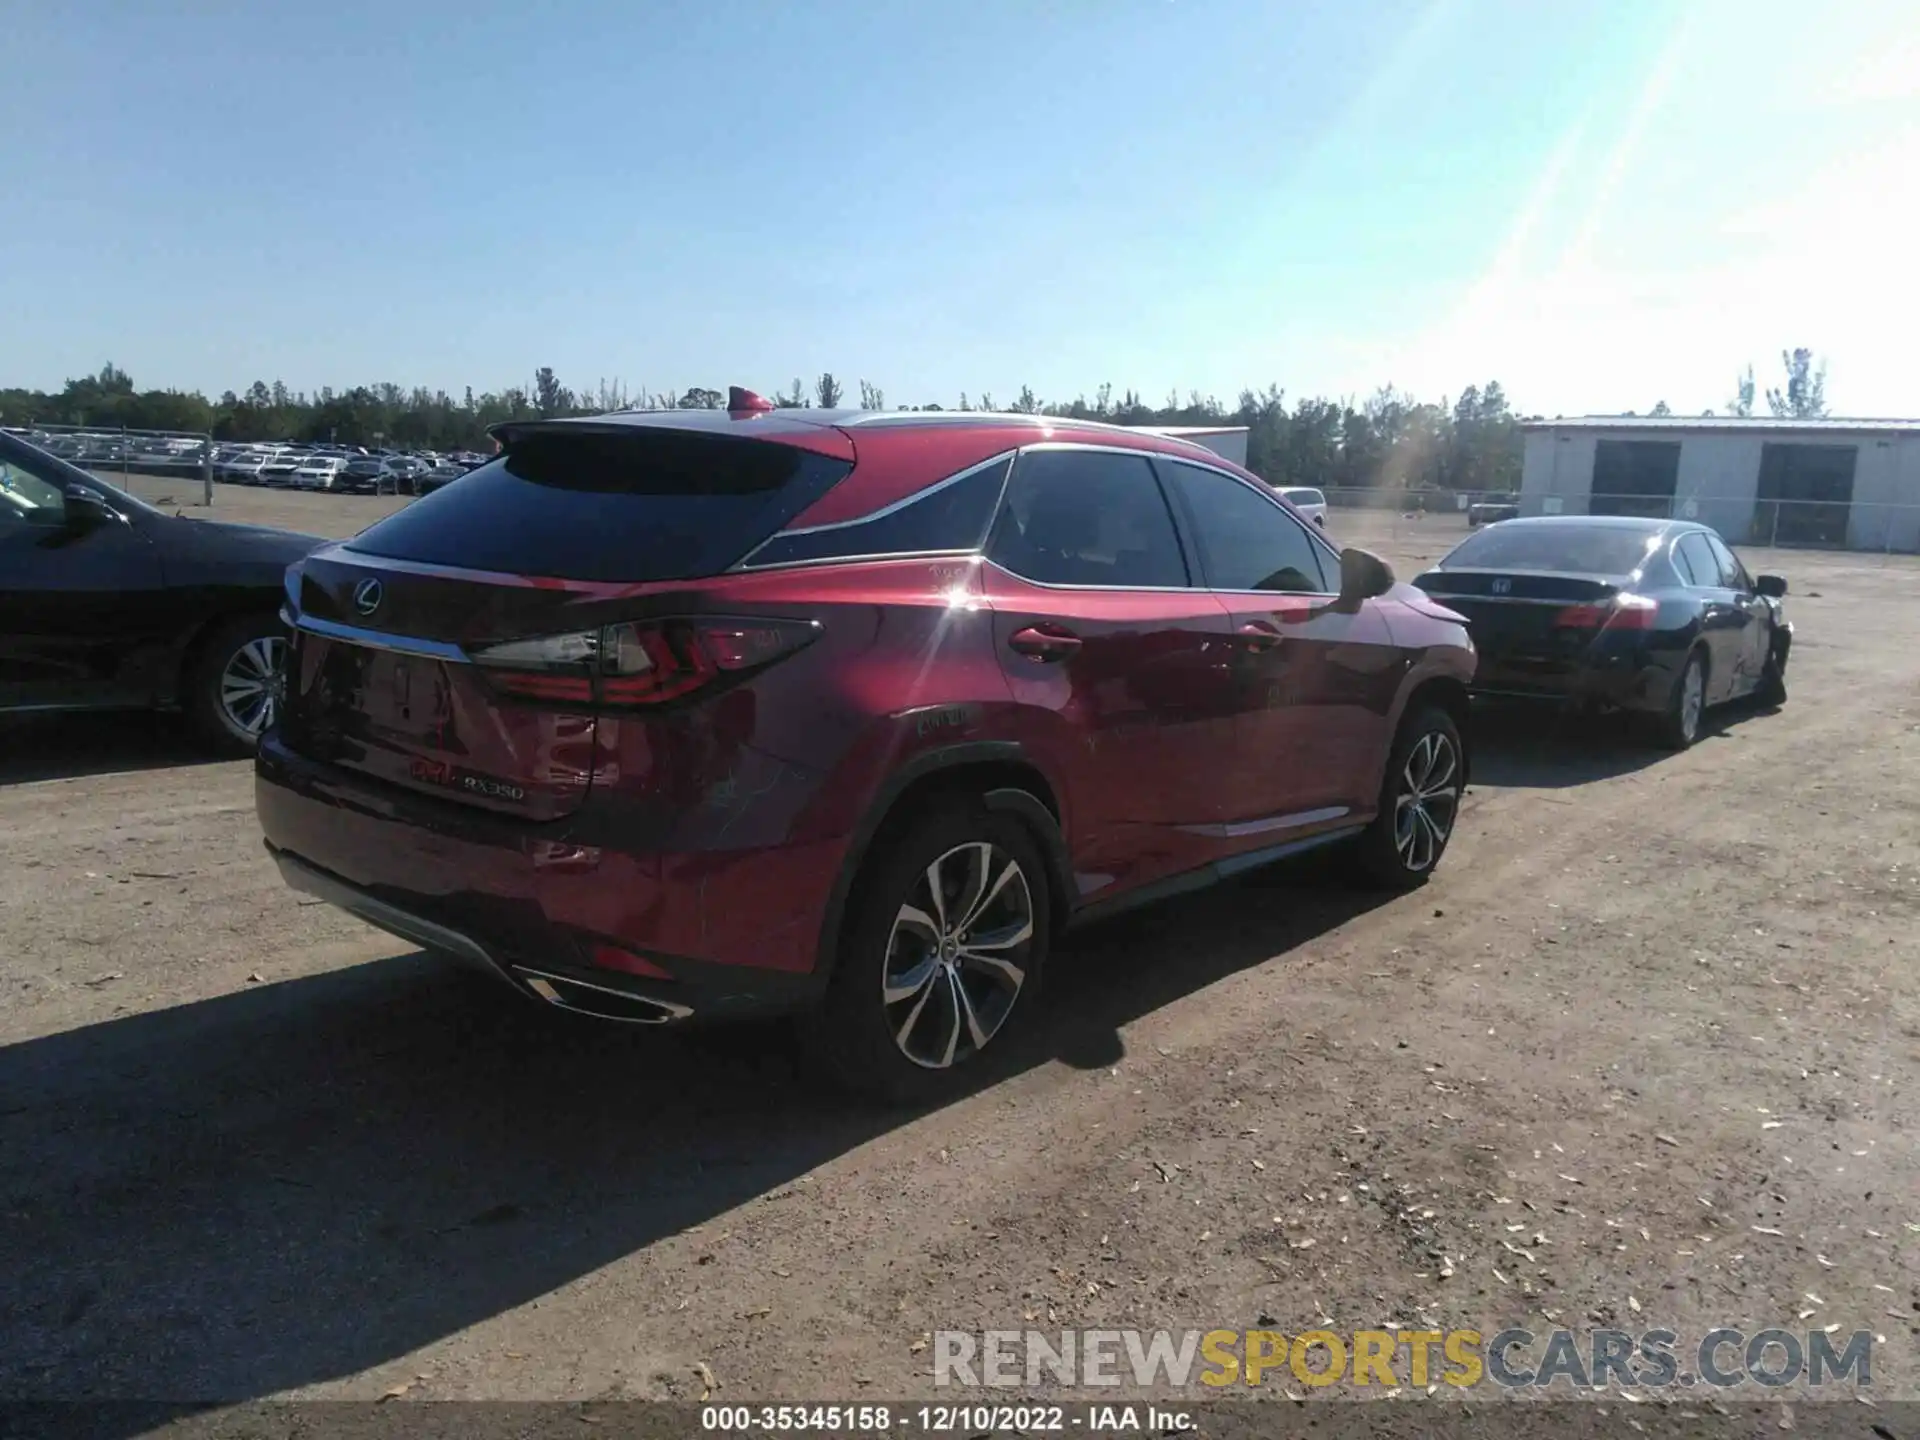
<point x="1683" y="563"/>
<point x="630" y="504"/>
<point x="942" y="519"/>
<point x="1695" y="561"/>
<point x="1246" y="541"/>
<point x="1564" y="548"/>
<point x="1087" y="517"/>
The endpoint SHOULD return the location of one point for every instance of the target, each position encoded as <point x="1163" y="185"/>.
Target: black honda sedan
<point x="1615" y="612"/>
<point x="109" y="603"/>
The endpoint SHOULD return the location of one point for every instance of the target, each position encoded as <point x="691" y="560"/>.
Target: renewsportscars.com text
<point x="1513" y="1358"/>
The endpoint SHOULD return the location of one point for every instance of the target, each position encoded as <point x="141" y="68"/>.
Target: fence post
<point x="1773" y="540"/>
<point x="206" y="467"/>
<point x="126" y="458"/>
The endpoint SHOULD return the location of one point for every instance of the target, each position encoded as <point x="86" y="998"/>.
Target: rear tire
<point x="236" y="682"/>
<point x="1679" y="724"/>
<point x="914" y="1013"/>
<point x="1419" y="803"/>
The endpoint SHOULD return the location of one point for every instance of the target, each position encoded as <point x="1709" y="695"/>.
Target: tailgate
<point x="388" y="694"/>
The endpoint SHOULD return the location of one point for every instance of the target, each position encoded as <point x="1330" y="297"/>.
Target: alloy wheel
<point x="252" y="683"/>
<point x="1693" y="696"/>
<point x="957" y="955"/>
<point x="1427" y="802"/>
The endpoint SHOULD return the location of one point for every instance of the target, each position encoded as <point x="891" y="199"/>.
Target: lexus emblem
<point x="1500" y="587"/>
<point x="367" y="596"/>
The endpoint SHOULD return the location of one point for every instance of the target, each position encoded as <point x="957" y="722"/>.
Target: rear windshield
<point x="592" y="505"/>
<point x="1570" y="548"/>
<point x="1305" y="497"/>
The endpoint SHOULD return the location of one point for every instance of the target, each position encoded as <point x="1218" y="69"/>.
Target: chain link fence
<point x="1405" y="516"/>
<point x="136" y="461"/>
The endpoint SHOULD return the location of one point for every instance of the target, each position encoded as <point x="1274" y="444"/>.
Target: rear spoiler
<point x="775" y="427"/>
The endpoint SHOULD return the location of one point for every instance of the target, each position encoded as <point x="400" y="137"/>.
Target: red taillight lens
<point x="637" y="663"/>
<point x="1623" y="612"/>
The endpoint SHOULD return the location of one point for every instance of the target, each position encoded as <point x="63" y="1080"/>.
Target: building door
<point x="1805" y="494"/>
<point x="1634" y="477"/>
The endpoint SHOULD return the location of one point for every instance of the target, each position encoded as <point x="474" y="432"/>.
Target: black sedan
<point x="108" y="603"/>
<point x="1616" y="612"/>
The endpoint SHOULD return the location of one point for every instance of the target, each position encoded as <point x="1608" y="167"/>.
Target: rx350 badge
<point x="452" y="777"/>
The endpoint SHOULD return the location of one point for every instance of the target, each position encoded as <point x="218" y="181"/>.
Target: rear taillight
<point x="637" y="664"/>
<point x="1623" y="612"/>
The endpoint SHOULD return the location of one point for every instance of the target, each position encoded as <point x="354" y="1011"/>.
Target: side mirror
<point x="1770" y="585"/>
<point x="86" y="510"/>
<point x="1363" y="575"/>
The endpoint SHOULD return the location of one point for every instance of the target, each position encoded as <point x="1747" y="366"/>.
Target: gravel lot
<point x="1644" y="1054"/>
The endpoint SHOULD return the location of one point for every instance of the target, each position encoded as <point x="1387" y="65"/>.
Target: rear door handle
<point x="1258" y="635"/>
<point x="1043" y="645"/>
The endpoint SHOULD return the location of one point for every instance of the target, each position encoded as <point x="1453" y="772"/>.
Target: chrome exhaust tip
<point x="599" y="1001"/>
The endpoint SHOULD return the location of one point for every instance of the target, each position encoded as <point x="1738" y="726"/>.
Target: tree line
<point x="1388" y="440"/>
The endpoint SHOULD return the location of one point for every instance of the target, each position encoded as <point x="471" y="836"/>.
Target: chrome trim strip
<point x="1254" y="859"/>
<point x="669" y="1010"/>
<point x="381" y="640"/>
<point x="1241" y="828"/>
<point x="903" y="502"/>
<point x="1005" y="457"/>
<point x="1559" y="604"/>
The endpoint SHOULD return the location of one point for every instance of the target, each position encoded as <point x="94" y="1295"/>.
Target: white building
<point x="1229" y="442"/>
<point x="1852" y="483"/>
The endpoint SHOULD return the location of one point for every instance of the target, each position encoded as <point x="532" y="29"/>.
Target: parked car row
<point x="148" y="454"/>
<point x="702" y="714"/>
<point x="328" y="468"/>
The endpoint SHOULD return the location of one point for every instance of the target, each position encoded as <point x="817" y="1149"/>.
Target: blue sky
<point x="1601" y="203"/>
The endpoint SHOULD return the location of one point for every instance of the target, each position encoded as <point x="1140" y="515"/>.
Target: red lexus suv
<point x="846" y="715"/>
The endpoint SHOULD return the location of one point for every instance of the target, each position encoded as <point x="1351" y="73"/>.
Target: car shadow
<point x="70" y="746"/>
<point x="290" y="1184"/>
<point x="1524" y="747"/>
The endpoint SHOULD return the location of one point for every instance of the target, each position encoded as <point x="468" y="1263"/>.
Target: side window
<point x="1733" y="574"/>
<point x="1087" y="517"/>
<point x="26" y="499"/>
<point x="1696" y="562"/>
<point x="952" y="515"/>
<point x="1246" y="542"/>
<point x="1683" y="562"/>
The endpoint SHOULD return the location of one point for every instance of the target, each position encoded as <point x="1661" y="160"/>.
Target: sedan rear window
<point x="1565" y="548"/>
<point x="632" y="504"/>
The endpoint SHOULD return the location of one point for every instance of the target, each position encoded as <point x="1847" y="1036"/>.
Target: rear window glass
<point x="1305" y="497"/>
<point x="1572" y="549"/>
<point x="593" y="505"/>
<point x="948" y="517"/>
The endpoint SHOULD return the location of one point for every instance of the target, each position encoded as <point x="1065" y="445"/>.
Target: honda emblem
<point x="1501" y="587"/>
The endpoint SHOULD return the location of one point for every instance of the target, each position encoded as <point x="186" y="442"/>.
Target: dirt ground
<point x="1644" y="1053"/>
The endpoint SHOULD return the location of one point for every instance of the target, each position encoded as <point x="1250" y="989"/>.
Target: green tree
<point x="826" y="391"/>
<point x="872" y="397"/>
<point x="550" y="397"/>
<point x="1742" y="402"/>
<point x="1805" y="395"/>
<point x="700" y="399"/>
<point x="1662" y="408"/>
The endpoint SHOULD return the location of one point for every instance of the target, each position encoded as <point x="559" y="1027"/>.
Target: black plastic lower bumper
<point x="697" y="991"/>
